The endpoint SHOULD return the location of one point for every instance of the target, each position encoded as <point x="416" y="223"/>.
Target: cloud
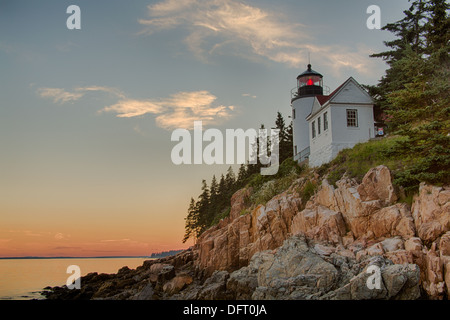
<point x="178" y="111"/>
<point x="113" y="240"/>
<point x="232" y="27"/>
<point x="113" y="91"/>
<point x="59" y="95"/>
<point x="132" y="108"/>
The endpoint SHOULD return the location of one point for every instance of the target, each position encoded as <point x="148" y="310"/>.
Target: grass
<point x="308" y="191"/>
<point x="225" y="213"/>
<point x="364" y="156"/>
<point x="266" y="187"/>
<point x="355" y="162"/>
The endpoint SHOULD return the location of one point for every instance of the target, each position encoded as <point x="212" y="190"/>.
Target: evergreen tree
<point x="414" y="93"/>
<point x="222" y="193"/>
<point x="437" y="27"/>
<point x="203" y="207"/>
<point x="285" y="138"/>
<point x="242" y="176"/>
<point x="290" y="139"/>
<point x="192" y="222"/>
<point x="230" y="180"/>
<point x="421" y="113"/>
<point x="410" y="33"/>
<point x="214" y="204"/>
<point x="253" y="168"/>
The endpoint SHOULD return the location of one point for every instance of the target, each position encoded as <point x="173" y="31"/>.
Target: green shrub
<point x="222" y="215"/>
<point x="308" y="191"/>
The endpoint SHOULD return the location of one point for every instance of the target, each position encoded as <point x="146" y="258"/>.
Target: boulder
<point x="377" y="185"/>
<point x="319" y="223"/>
<point x="395" y="220"/>
<point x="444" y="244"/>
<point x="239" y="202"/>
<point x="242" y="283"/>
<point x="400" y="256"/>
<point x="146" y="293"/>
<point x="414" y="244"/>
<point x="433" y="283"/>
<point x="392" y="244"/>
<point x="177" y="284"/>
<point x="431" y="211"/>
<point x="214" y="287"/>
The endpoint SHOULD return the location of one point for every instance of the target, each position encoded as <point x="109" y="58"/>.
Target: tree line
<point x="213" y="203"/>
<point x="413" y="96"/>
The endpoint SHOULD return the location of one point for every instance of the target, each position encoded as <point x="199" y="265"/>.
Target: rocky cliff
<point x="298" y="248"/>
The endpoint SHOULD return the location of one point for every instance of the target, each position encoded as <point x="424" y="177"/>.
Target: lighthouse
<point x="323" y="125"/>
<point x="309" y="85"/>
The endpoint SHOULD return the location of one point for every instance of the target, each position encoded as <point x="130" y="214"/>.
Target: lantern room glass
<point x="310" y="81"/>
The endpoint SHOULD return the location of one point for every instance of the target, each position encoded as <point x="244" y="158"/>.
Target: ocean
<point x="23" y="279"/>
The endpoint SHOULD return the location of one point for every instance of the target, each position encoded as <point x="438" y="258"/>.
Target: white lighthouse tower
<point x="309" y="85"/>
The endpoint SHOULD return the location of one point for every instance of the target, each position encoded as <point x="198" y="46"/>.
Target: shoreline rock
<point x="288" y="249"/>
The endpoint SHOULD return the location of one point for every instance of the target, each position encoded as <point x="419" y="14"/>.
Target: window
<point x="325" y="121"/>
<point x="352" y="118"/>
<point x="318" y="125"/>
<point x="293" y="113"/>
<point x="313" y="129"/>
<point x="295" y="150"/>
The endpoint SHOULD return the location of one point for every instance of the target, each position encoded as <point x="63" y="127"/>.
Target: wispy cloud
<point x="113" y="91"/>
<point x="233" y="27"/>
<point x="128" y="108"/>
<point x="61" y="96"/>
<point x="180" y="110"/>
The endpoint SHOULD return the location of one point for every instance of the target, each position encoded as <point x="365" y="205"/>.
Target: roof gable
<point x="350" y="92"/>
<point x="316" y="107"/>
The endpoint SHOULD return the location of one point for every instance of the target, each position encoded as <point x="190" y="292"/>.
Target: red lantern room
<point x="309" y="83"/>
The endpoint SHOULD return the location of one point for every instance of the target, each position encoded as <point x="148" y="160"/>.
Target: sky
<point x="86" y="116"/>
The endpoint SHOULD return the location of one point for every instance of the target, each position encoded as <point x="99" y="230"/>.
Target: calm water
<point x="21" y="279"/>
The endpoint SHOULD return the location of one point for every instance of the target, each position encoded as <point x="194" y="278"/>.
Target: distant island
<point x="157" y="255"/>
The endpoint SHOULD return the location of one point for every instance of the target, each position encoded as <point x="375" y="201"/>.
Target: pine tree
<point x="437" y="27"/>
<point x="410" y="33"/>
<point x="222" y="193"/>
<point x="414" y="93"/>
<point x="421" y="113"/>
<point x="285" y="138"/>
<point x="253" y="168"/>
<point x="290" y="140"/>
<point x="203" y="207"/>
<point x="192" y="223"/>
<point x="214" y="204"/>
<point x="230" y="180"/>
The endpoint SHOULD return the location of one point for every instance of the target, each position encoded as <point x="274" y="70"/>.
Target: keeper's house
<point x="323" y="125"/>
